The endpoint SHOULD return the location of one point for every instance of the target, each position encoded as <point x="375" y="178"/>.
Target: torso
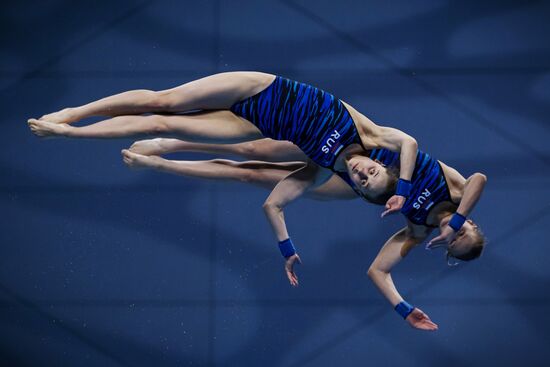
<point x="321" y="125"/>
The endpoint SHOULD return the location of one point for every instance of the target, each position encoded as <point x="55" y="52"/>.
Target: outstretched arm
<point x="379" y="272"/>
<point x="286" y="191"/>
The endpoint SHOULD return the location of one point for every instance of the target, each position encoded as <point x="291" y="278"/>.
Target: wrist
<point x="404" y="188"/>
<point x="404" y="309"/>
<point x="457" y="221"/>
<point x="287" y="248"/>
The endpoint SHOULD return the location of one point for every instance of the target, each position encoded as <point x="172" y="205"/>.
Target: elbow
<point x="372" y="272"/>
<point x="271" y="206"/>
<point x="481" y="177"/>
<point x="413" y="143"/>
<point x="376" y="271"/>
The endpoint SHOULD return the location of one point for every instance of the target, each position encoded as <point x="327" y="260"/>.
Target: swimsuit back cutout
<point x="429" y="184"/>
<point x="314" y="120"/>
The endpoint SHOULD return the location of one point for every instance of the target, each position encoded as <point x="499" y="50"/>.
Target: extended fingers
<point x="428" y="325"/>
<point x="427" y="322"/>
<point x="293" y="280"/>
<point x="389" y="211"/>
<point x="437" y="240"/>
<point x="292" y="277"/>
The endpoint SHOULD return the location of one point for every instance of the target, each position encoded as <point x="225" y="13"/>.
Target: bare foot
<point x="137" y="161"/>
<point x="46" y="128"/>
<point x="65" y="116"/>
<point x="148" y="147"/>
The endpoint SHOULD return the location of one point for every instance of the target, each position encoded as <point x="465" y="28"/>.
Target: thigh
<point x="209" y="127"/>
<point x="334" y="189"/>
<point x="275" y="150"/>
<point x="218" y="91"/>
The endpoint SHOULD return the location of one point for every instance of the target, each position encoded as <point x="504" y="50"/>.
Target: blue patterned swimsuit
<point x="429" y="184"/>
<point x="314" y="120"/>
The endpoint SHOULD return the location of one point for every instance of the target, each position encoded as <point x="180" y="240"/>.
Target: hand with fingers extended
<point x="289" y="269"/>
<point x="419" y="320"/>
<point x="393" y="205"/>
<point x="446" y="236"/>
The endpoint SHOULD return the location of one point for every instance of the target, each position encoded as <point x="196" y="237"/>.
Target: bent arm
<point x="395" y="249"/>
<point x="472" y="192"/>
<point x="397" y="141"/>
<point x="288" y="190"/>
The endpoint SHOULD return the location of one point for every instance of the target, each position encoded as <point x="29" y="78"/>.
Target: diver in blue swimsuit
<point x="234" y="107"/>
<point x="440" y="197"/>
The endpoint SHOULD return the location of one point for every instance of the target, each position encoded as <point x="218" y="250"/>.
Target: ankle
<point x="65" y="130"/>
<point x="155" y="161"/>
<point x="72" y="113"/>
<point x="168" y="145"/>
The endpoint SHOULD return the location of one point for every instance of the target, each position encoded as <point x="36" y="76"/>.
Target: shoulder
<point x="365" y="126"/>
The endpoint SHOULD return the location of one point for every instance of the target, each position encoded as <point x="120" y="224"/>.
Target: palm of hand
<point x="394" y="204"/>
<point x="420" y="320"/>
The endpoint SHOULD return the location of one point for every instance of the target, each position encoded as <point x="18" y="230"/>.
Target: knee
<point x="249" y="150"/>
<point x="165" y="101"/>
<point x="248" y="176"/>
<point x="157" y="125"/>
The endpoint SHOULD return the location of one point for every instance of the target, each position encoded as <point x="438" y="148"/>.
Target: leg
<point x="258" y="173"/>
<point x="334" y="189"/>
<point x="263" y="149"/>
<point x="216" y="126"/>
<point x="218" y="91"/>
<point x="263" y="174"/>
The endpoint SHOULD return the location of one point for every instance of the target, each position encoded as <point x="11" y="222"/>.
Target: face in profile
<point x="370" y="177"/>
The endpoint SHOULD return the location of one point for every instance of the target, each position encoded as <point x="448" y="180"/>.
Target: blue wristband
<point x="457" y="221"/>
<point x="287" y="248"/>
<point x="404" y="309"/>
<point x="404" y="188"/>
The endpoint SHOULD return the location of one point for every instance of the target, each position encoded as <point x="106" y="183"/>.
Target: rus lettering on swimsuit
<point x="421" y="199"/>
<point x="330" y="141"/>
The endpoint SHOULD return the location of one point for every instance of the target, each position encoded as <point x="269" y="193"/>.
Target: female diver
<point x="438" y="190"/>
<point x="245" y="106"/>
